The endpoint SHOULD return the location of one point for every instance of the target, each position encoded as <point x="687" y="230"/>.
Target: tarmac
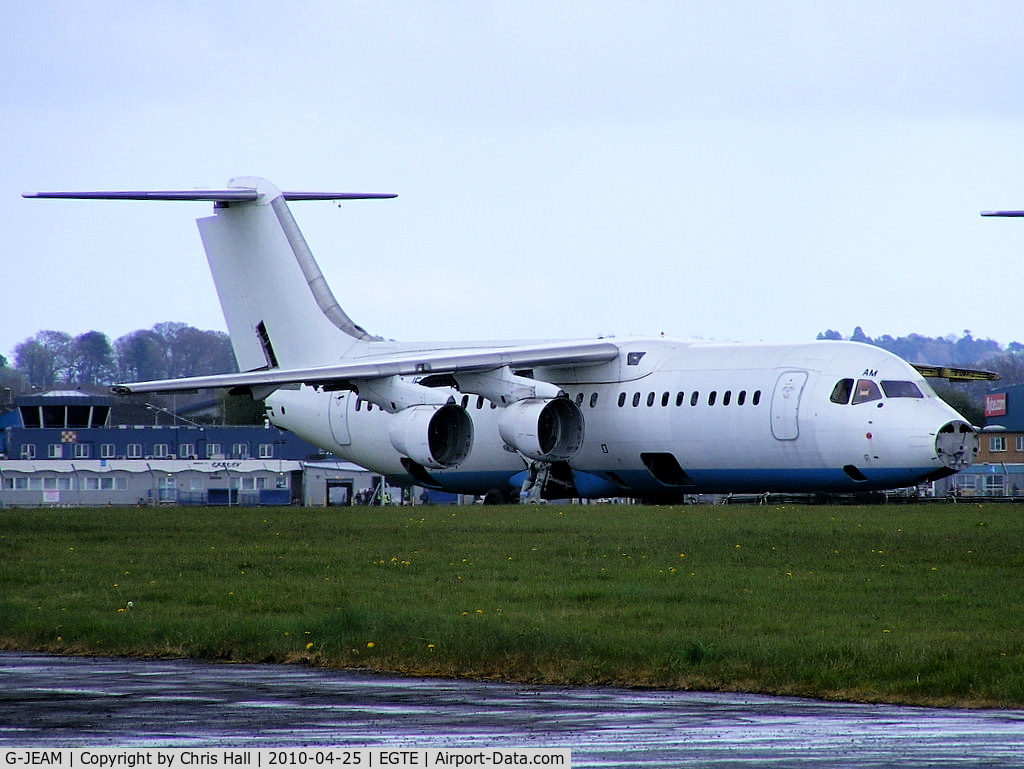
<point x="56" y="702"/>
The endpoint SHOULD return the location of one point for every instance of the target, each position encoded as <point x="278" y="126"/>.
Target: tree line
<point x="52" y="359"/>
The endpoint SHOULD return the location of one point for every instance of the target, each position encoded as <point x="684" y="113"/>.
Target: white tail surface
<point x="277" y="305"/>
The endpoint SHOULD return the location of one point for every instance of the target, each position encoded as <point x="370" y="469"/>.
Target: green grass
<point x="912" y="604"/>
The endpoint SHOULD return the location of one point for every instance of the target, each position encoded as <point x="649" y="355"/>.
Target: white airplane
<point x="652" y="418"/>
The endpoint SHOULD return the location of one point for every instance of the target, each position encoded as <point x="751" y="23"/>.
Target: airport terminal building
<point x="63" y="448"/>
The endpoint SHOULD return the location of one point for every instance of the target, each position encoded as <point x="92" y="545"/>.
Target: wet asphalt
<point x="49" y="702"/>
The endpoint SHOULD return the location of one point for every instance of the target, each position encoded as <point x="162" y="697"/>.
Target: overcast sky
<point x="733" y="171"/>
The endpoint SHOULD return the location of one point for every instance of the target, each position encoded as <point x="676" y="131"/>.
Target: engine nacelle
<point x="434" y="436"/>
<point x="550" y="430"/>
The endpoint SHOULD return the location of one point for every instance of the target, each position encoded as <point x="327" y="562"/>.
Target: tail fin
<point x="279" y="310"/>
<point x="277" y="305"/>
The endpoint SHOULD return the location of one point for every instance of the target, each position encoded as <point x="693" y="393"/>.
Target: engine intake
<point x="434" y="436"/>
<point x="548" y="430"/>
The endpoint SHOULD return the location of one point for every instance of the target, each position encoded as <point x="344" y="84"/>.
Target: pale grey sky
<point x="735" y="171"/>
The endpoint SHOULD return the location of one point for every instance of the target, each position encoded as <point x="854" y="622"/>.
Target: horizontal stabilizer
<point x="1002" y="213"/>
<point x="233" y="195"/>
<point x="956" y="374"/>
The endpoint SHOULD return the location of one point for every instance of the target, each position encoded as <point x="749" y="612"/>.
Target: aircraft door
<point x="337" y="416"/>
<point x="786" y="405"/>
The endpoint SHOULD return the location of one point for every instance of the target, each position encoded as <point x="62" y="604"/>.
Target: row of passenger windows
<point x="867" y="390"/>
<point x="665" y="398"/>
<point x="694" y="399"/>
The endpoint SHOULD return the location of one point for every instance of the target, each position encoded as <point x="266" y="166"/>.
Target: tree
<point x="192" y="352"/>
<point x="44" y="359"/>
<point x="141" y="355"/>
<point x="860" y="336"/>
<point x="91" y="359"/>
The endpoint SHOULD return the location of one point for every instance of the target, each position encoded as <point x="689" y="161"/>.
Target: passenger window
<point x="650" y="399"/>
<point x="465" y="401"/>
<point x="757" y="397"/>
<point x="664" y="399"/>
<point x="694" y="397"/>
<point x="622" y="400"/>
<point x="895" y="389"/>
<point x="636" y="399"/>
<point x="841" y="392"/>
<point x="726" y="397"/>
<point x="866" y="391"/>
<point x="579" y="399"/>
<point x="479" y="401"/>
<point x="741" y="398"/>
<point x="593" y="400"/>
<point x="679" y="399"/>
<point x="712" y="396"/>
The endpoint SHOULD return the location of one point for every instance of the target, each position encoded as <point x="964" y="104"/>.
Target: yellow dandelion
<point x="370" y="644"/>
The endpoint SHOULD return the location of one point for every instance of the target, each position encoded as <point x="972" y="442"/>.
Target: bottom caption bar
<point x="259" y="758"/>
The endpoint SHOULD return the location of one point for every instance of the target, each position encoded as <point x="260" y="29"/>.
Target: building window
<point x="186" y="450"/>
<point x="134" y="451"/>
<point x="994" y="485"/>
<point x="266" y="451"/>
<point x="55" y="451"/>
<point x="28" y="451"/>
<point x="997" y="443"/>
<point x="160" y="450"/>
<point x="240" y="451"/>
<point x="82" y="450"/>
<point x="108" y="451"/>
<point x="212" y="450"/>
<point x="1019" y="443"/>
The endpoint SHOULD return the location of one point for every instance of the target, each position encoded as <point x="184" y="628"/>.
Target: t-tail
<point x="279" y="310"/>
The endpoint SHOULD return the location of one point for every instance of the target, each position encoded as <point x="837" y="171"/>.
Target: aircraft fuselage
<point x="669" y="418"/>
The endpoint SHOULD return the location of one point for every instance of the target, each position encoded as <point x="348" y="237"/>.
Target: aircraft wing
<point x="421" y="363"/>
<point x="955" y="374"/>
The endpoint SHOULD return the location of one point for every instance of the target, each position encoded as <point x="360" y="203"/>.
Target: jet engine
<point x="433" y="436"/>
<point x="549" y="430"/>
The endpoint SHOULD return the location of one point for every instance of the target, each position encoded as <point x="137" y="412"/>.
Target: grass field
<point x="910" y="604"/>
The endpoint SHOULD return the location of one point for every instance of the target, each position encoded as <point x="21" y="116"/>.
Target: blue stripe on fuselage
<point x="638" y="483"/>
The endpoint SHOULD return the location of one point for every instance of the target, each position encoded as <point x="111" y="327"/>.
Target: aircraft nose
<point x="956" y="445"/>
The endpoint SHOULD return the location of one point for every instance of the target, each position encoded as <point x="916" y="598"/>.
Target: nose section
<point x="956" y="445"/>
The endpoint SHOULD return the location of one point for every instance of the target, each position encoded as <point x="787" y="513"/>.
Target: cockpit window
<point x="896" y="389"/>
<point x="841" y="392"/>
<point x="866" y="391"/>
